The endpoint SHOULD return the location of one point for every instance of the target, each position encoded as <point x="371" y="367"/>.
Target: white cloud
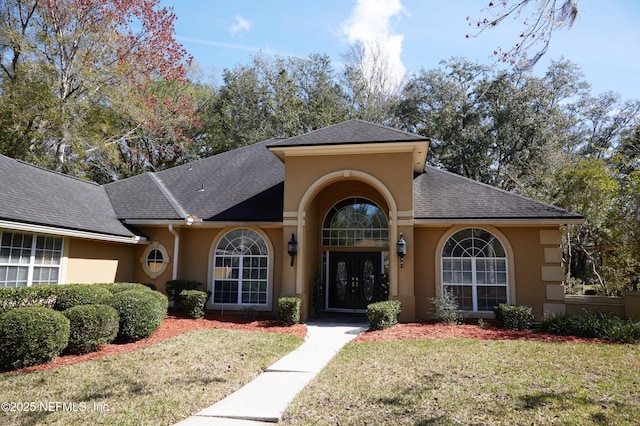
<point x="241" y="24"/>
<point x="370" y="24"/>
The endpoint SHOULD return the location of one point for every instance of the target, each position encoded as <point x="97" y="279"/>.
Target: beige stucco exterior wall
<point x="98" y="262"/>
<point x="528" y="268"/>
<point x="162" y="235"/>
<point x="197" y="245"/>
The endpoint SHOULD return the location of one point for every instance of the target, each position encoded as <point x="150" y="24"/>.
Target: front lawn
<point x="468" y="381"/>
<point x="159" y="385"/>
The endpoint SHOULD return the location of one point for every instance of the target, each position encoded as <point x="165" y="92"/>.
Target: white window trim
<point x="165" y="259"/>
<point x="354" y="232"/>
<point x="474" y="281"/>
<point x="211" y="276"/>
<point x="61" y="266"/>
<point x="511" y="288"/>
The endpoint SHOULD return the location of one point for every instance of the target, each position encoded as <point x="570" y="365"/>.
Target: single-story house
<point x="341" y="217"/>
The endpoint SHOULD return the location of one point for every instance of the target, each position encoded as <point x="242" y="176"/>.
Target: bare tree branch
<point x="539" y="23"/>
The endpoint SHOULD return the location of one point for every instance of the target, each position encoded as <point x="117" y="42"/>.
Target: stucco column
<point x="288" y="288"/>
<point x="406" y="290"/>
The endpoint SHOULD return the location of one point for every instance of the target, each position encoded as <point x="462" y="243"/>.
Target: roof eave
<point x="418" y="148"/>
<point x="524" y="221"/>
<point x="64" y="232"/>
<point x="199" y="223"/>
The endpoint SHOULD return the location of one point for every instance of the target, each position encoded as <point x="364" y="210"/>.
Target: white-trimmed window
<point x="355" y="222"/>
<point x="29" y="259"/>
<point x="155" y="259"/>
<point x="474" y="269"/>
<point x="241" y="269"/>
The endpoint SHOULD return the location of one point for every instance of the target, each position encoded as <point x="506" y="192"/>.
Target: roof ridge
<point x="370" y="123"/>
<point x="384" y="126"/>
<point x="167" y="195"/>
<point x="26" y="163"/>
<point x="515" y="194"/>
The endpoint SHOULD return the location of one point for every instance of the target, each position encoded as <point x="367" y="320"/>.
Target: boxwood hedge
<point x="91" y="326"/>
<point x="141" y="313"/>
<point x="289" y="310"/>
<point x="192" y="302"/>
<point x="20" y="297"/>
<point x="81" y="294"/>
<point x="30" y="336"/>
<point x="384" y="314"/>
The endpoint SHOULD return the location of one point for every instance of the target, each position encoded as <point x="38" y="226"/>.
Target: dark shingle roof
<point x="352" y="131"/>
<point x="442" y="195"/>
<point x="140" y="197"/>
<point x="245" y="184"/>
<point x="33" y="195"/>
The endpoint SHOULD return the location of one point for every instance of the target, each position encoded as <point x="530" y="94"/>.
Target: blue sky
<point x="604" y="42"/>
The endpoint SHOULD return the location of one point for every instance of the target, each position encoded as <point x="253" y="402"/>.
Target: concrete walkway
<point x="262" y="401"/>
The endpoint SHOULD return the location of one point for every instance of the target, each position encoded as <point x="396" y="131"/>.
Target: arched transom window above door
<point x="474" y="269"/>
<point x="355" y="222"/>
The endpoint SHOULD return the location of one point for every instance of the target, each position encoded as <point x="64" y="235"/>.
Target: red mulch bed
<point x="174" y="325"/>
<point x="470" y="331"/>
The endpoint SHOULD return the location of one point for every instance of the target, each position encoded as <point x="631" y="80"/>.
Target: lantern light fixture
<point x="402" y="249"/>
<point x="292" y="247"/>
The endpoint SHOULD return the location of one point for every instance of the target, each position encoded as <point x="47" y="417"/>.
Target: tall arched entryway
<point x="322" y="258"/>
<point x="355" y="256"/>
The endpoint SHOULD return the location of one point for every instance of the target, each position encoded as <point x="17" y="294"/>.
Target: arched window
<point x="474" y="269"/>
<point x="241" y="269"/>
<point x="355" y="222"/>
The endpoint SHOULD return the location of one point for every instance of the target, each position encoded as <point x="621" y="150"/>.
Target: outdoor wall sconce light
<point x="402" y="249"/>
<point x="292" y="247"/>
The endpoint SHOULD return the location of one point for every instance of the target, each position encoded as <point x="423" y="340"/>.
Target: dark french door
<point x="354" y="280"/>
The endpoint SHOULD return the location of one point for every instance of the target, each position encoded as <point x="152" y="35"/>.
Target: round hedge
<point x="81" y="294"/>
<point x="118" y="287"/>
<point x="31" y="336"/>
<point x="91" y="326"/>
<point x="141" y="313"/>
<point x="193" y="302"/>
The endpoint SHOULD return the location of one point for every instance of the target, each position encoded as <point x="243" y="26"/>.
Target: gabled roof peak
<point x="350" y="132"/>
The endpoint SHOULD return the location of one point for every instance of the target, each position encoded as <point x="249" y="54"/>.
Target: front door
<point x="354" y="280"/>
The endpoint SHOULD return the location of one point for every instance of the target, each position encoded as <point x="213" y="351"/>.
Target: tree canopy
<point x="90" y="87"/>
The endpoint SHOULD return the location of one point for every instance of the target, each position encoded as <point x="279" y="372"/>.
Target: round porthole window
<point x="155" y="259"/>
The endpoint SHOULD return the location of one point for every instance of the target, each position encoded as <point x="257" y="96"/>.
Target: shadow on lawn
<point x="561" y="400"/>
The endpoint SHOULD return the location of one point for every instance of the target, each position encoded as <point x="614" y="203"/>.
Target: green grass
<point x="159" y="385"/>
<point x="463" y="381"/>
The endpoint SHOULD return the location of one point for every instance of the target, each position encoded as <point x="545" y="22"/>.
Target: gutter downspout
<point x="176" y="251"/>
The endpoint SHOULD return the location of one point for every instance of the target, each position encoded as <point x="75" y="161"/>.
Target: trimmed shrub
<point x="81" y="294"/>
<point x="141" y="313"/>
<point x="21" y="297"/>
<point x="91" y="326"/>
<point x="599" y="326"/>
<point x="193" y="302"/>
<point x="150" y="286"/>
<point x="289" y="310"/>
<point x="175" y="287"/>
<point x="118" y="287"/>
<point x="445" y="308"/>
<point x="31" y="336"/>
<point x="383" y="315"/>
<point x="512" y="317"/>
